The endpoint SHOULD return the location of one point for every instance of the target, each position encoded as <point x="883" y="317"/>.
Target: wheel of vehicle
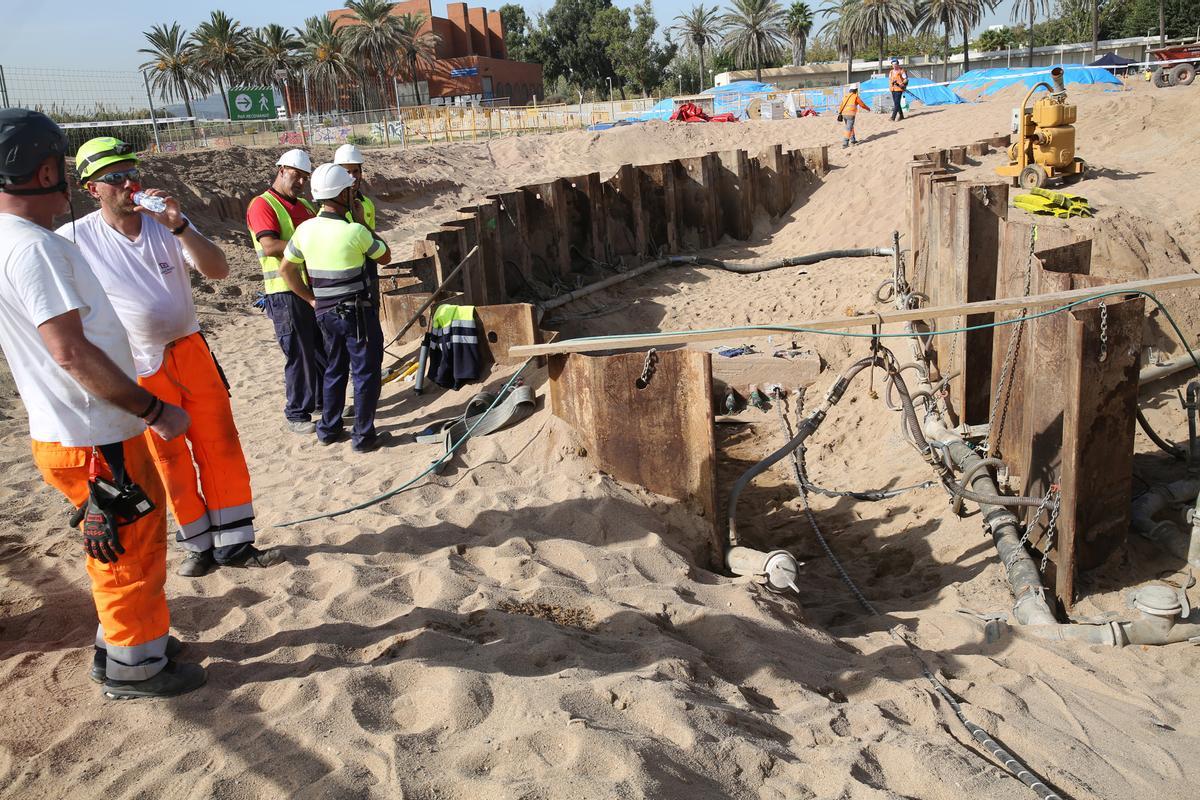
<point x="1033" y="177"/>
<point x="1183" y="74"/>
<point x="1162" y="77"/>
<point x="1075" y="177"/>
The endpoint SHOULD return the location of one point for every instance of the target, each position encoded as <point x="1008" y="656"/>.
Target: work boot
<point x="175" y="679"/>
<point x="196" y="564"/>
<point x="251" y="556"/>
<point x="100" y="659"/>
<point x="845" y="144"/>
<point x="328" y="440"/>
<point x="301" y="426"/>
<point x="372" y="444"/>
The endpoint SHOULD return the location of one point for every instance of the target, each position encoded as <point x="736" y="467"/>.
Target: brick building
<point x="471" y="65"/>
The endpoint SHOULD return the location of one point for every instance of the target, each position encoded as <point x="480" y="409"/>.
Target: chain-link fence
<point x="311" y="112"/>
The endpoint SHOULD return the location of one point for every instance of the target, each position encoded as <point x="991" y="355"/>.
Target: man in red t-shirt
<point x="272" y="217"/>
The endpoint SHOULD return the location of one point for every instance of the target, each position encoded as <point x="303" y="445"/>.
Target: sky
<point x="106" y="35"/>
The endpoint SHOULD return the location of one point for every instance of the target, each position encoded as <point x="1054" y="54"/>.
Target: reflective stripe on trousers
<point x="129" y="595"/>
<point x="219" y="495"/>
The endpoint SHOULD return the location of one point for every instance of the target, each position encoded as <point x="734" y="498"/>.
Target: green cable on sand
<point x="741" y="329"/>
<point x="409" y="483"/>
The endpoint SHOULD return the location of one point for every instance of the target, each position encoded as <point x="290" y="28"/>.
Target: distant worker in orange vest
<point x="848" y="111"/>
<point x="898" y="83"/>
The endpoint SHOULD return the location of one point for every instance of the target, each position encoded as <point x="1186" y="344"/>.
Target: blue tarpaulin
<point x="987" y="81"/>
<point x="922" y="89"/>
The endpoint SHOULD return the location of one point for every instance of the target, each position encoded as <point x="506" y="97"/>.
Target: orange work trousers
<point x="130" y="600"/>
<point x="214" y="508"/>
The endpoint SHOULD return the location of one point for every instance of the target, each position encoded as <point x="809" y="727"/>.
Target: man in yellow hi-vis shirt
<point x="340" y="258"/>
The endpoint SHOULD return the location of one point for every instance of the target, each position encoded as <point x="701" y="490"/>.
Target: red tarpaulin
<point x="690" y="112"/>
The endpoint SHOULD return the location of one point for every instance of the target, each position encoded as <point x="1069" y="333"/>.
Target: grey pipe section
<point x="1165" y="533"/>
<point x="969" y="474"/>
<point x="1146" y="629"/>
<point x="698" y="261"/>
<point x="1154" y="373"/>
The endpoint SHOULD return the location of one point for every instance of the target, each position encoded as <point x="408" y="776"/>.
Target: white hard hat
<point x="295" y="158"/>
<point x="853" y="87"/>
<point x="348" y="154"/>
<point x="329" y="180"/>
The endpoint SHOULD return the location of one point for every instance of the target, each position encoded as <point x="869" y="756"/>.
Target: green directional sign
<point x="251" y="104"/>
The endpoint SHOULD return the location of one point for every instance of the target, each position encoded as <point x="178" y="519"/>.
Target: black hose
<point x="1173" y="451"/>
<point x="969" y="475"/>
<point x="750" y="267"/>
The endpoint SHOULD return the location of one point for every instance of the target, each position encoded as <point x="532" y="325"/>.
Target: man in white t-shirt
<point x="73" y="368"/>
<point x="143" y="260"/>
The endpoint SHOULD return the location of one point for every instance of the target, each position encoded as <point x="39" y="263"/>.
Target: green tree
<point x="638" y="57"/>
<point x="375" y="38"/>
<point x="975" y="11"/>
<point x="755" y="32"/>
<point x="569" y="43"/>
<point x="1002" y="39"/>
<point x="417" y="49"/>
<point x="174" y="69"/>
<point x="1031" y="8"/>
<point x="799" y="26"/>
<point x="700" y="29"/>
<point x="946" y="16"/>
<point x="517" y="28"/>
<point x="841" y="30"/>
<point x="274" y="49"/>
<point x="221" y="45"/>
<point x="325" y="57"/>
<point x="879" y="17"/>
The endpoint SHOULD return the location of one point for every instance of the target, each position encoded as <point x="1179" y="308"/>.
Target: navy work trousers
<point x="353" y="347"/>
<point x="897" y="108"/>
<point x="300" y="339"/>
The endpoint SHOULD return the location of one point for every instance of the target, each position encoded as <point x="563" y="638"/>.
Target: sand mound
<point x="523" y="626"/>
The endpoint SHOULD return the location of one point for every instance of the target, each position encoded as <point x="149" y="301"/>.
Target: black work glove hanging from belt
<point x="109" y="505"/>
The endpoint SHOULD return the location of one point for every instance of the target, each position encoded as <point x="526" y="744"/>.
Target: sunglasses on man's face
<point x="119" y="178"/>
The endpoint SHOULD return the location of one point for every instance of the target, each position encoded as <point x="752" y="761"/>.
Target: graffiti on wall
<point x="291" y="137"/>
<point x="395" y="130"/>
<point x="333" y="134"/>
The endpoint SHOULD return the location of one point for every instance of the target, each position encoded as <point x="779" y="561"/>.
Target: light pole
<point x="681" y="83"/>
<point x="612" y="115"/>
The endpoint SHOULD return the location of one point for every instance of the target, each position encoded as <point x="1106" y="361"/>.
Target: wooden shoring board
<point x="660" y="207"/>
<point x="1098" y="433"/>
<point x="927" y="179"/>
<point x="660" y="436"/>
<point x="773" y="189"/>
<point x="942" y="281"/>
<point x="514" y="236"/>
<point x="862" y="321"/>
<point x="979" y="210"/>
<point x="449" y="247"/>
<point x="504" y="325"/>
<point x="546" y="227"/>
<point x="625" y="223"/>
<point x="816" y="159"/>
<point x="397" y="308"/>
<point x="1014" y="262"/>
<point x="735" y="190"/>
<point x="696" y="184"/>
<point x="490" y="258"/>
<point x="588" y="219"/>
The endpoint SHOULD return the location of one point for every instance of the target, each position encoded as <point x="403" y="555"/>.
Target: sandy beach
<point x="521" y="625"/>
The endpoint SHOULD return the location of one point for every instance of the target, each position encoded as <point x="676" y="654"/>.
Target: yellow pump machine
<point x="1044" y="148"/>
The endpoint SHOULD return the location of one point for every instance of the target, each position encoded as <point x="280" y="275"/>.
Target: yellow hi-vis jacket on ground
<point x="272" y="282"/>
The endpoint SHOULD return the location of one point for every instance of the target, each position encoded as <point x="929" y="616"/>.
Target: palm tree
<point x="701" y="28"/>
<point x="1032" y="7"/>
<point x="221" y="44"/>
<point x="799" y="26"/>
<point x="943" y="16"/>
<point x="878" y="17"/>
<point x="841" y="29"/>
<point x="755" y="31"/>
<point x="375" y="39"/>
<point x="976" y="11"/>
<point x="325" y="56"/>
<point x="274" y="50"/>
<point x="417" y="49"/>
<point x="173" y="67"/>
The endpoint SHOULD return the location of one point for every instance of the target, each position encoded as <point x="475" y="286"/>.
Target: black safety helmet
<point x="27" y="138"/>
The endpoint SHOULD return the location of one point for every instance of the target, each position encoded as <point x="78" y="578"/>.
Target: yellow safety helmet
<point x="95" y="154"/>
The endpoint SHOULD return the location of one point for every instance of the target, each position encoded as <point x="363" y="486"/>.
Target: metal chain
<point x="1049" y="541"/>
<point x="647" y="369"/>
<point x="1035" y="517"/>
<point x="1103" y="332"/>
<point x="1004" y="385"/>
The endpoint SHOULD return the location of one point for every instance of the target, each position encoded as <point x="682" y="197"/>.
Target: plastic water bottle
<point x="150" y="202"/>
